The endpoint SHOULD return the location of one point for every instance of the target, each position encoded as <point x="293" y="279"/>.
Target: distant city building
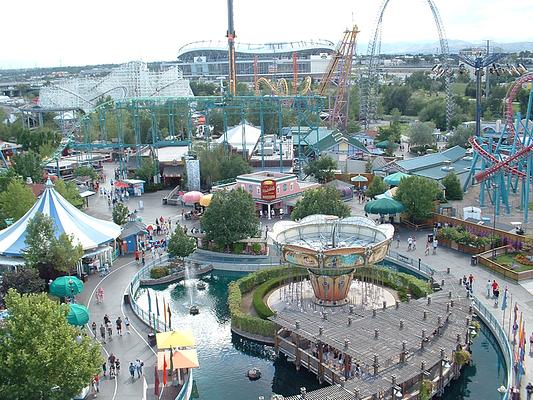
<point x="133" y="79"/>
<point x="209" y="59"/>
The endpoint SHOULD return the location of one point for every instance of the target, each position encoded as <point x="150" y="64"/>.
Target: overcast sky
<point x="38" y="33"/>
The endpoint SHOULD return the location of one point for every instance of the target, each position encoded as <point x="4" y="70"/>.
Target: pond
<point x="224" y="357"/>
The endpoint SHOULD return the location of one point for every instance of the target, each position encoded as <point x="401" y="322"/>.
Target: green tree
<point x="180" y="245"/>
<point x="45" y="252"/>
<point x="322" y="169"/>
<point x="23" y="280"/>
<point x="147" y="170"/>
<point x="70" y="192"/>
<point x="230" y="217"/>
<point x="41" y="357"/>
<point x="453" y="187"/>
<point x="216" y="164"/>
<point x="86" y="171"/>
<point x="417" y="194"/>
<point x="323" y="200"/>
<point x="120" y="214"/>
<point x="395" y="97"/>
<point x="28" y="165"/>
<point x="16" y="200"/>
<point x="435" y="111"/>
<point x="421" y="134"/>
<point x="419" y="80"/>
<point x="460" y="136"/>
<point x="377" y="186"/>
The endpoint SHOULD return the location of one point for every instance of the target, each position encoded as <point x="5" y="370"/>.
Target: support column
<point x="268" y="211"/>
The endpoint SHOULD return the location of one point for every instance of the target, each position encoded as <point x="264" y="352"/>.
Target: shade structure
<point x="167" y="340"/>
<point x="385" y="144"/>
<point x="88" y="231"/>
<point x="206" y="200"/>
<point x="66" y="286"/>
<point x="384" y="206"/>
<point x="78" y="315"/>
<point x="180" y="359"/>
<point x="359" y="178"/>
<point x="394" y="179"/>
<point x="121" y="185"/>
<point x="192" y="197"/>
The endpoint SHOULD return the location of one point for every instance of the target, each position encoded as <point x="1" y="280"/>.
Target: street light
<point x="492" y="242"/>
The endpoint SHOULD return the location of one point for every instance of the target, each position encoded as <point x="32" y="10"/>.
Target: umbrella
<point x="156" y="382"/>
<point x="121" y="185"/>
<point x="180" y="359"/>
<point x="66" y="286"/>
<point x="384" y="206"/>
<point x="78" y="315"/>
<point x="394" y="179"/>
<point x="166" y="340"/>
<point x="385" y="144"/>
<point x="192" y="197"/>
<point x="359" y="178"/>
<point x="206" y="200"/>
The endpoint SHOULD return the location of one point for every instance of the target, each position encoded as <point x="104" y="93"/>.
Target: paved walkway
<point x="459" y="263"/>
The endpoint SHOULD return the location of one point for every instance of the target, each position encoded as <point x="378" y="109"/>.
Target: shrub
<point x="461" y="357"/>
<point x="403" y="283"/>
<point x="462" y="236"/>
<point x="238" y="248"/>
<point x="152" y="187"/>
<point x="256" y="248"/>
<point x="159" y="272"/>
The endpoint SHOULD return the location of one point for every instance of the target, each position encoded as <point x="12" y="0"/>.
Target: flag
<point x="169" y="317"/>
<point x="149" y="301"/>
<point x="164" y="371"/>
<point x="520" y="330"/>
<point x="165" y="310"/>
<point x="156" y="385"/>
<point x="504" y="301"/>
<point x="157" y="304"/>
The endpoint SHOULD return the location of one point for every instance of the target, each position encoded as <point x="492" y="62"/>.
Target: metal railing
<point x="482" y="311"/>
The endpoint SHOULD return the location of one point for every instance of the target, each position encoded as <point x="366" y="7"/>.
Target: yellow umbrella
<point x="206" y="200"/>
<point x="180" y="359"/>
<point x="167" y="340"/>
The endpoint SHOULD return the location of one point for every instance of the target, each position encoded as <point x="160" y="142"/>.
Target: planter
<point x="469" y="249"/>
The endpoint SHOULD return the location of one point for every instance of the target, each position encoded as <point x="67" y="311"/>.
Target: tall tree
<point x="147" y="170"/>
<point x="421" y="134"/>
<point x="323" y="200"/>
<point x="70" y="192"/>
<point x="23" y="280"/>
<point x="460" y="136"/>
<point x="41" y="356"/>
<point x="180" y="245"/>
<point x="417" y="194"/>
<point x="396" y="97"/>
<point x="120" y="214"/>
<point x="453" y="187"/>
<point x="16" y="200"/>
<point x="377" y="186"/>
<point x="322" y="169"/>
<point x="230" y="217"/>
<point x="28" y="165"/>
<point x="216" y="164"/>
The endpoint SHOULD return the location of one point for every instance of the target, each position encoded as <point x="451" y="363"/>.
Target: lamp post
<point x="493" y="236"/>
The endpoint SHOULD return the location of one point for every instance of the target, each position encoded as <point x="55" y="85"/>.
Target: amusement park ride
<point x="504" y="165"/>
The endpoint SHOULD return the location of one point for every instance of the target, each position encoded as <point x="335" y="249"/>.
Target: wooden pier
<point x="394" y="348"/>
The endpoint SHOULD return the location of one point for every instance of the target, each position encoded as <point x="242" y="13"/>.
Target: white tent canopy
<point x="244" y="133"/>
<point x="88" y="231"/>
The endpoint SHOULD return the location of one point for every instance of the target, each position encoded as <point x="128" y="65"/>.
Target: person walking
<point x="119" y="326"/>
<point x="139" y="367"/>
<point x="109" y="331"/>
<point x="529" y="390"/>
<point x="117" y="366"/>
<point x="488" y="286"/>
<point x="471" y="281"/>
<point x="102" y="333"/>
<point x="426" y="251"/>
<point x="531" y="343"/>
<point x="435" y="244"/>
<point x="93" y="327"/>
<point x="127" y="323"/>
<point x="414" y="243"/>
<point x="132" y="370"/>
<point x="96" y="384"/>
<point x="104" y="368"/>
<point x="106" y="319"/>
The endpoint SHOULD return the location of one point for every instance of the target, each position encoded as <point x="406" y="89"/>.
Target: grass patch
<point x="459" y="88"/>
<point x="508" y="260"/>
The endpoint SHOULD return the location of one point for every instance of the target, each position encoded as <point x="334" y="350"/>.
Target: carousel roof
<point x="88" y="231"/>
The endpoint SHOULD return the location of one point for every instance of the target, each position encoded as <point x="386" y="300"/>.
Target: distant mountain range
<point x="454" y="46"/>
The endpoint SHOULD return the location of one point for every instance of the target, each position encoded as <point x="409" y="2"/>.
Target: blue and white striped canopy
<point x="88" y="231"/>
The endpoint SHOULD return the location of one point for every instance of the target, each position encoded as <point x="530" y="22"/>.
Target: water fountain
<point x="193" y="309"/>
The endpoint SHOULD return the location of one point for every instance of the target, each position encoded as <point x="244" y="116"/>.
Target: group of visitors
<point x="493" y="290"/>
<point x="468" y="283"/>
<point x="106" y="328"/>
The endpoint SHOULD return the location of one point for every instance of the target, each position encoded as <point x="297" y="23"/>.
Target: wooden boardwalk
<point x="395" y="347"/>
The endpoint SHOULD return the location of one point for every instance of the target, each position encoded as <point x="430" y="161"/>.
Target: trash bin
<point x="430" y="238"/>
<point x="126" y="298"/>
<point x="84" y="277"/>
<point x="473" y="260"/>
<point x="151" y="339"/>
<point x="141" y="205"/>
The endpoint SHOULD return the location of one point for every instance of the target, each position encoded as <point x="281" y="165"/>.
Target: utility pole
<point x="487" y="85"/>
<point x="232" y="75"/>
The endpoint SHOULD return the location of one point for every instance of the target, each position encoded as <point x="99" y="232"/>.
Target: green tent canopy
<point x="385" y="144"/>
<point x="394" y="179"/>
<point x="66" y="286"/>
<point x="384" y="206"/>
<point x="78" y="315"/>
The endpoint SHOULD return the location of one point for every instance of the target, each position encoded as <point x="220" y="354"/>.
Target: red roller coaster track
<point x="511" y="132"/>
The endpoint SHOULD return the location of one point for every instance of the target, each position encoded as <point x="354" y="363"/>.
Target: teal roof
<point x="334" y="139"/>
<point x="309" y="138"/>
<point x="432" y="160"/>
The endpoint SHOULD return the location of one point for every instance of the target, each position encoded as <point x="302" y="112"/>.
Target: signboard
<point x="268" y="190"/>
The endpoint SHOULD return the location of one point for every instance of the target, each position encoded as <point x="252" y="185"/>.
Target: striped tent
<point x="88" y="231"/>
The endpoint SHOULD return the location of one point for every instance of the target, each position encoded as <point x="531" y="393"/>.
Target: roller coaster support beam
<point x="479" y="64"/>
<point x="231" y="51"/>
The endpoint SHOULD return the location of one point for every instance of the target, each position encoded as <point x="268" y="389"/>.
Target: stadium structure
<point x="129" y="80"/>
<point x="209" y="59"/>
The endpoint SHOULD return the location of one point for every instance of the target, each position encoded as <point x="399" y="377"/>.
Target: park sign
<point x="268" y="190"/>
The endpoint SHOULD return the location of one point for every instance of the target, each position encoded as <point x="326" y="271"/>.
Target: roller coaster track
<point x="281" y="88"/>
<point x="67" y="139"/>
<point x="511" y="133"/>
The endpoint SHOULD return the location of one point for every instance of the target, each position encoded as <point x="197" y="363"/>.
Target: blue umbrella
<point x="394" y="179"/>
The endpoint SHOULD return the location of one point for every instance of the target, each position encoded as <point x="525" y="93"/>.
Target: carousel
<point x="96" y="236"/>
